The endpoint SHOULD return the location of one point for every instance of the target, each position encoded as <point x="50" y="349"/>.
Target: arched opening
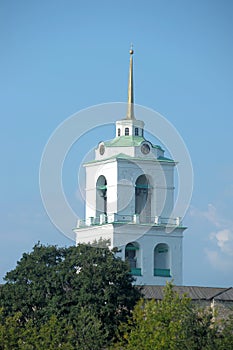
<point x="101" y="196"/>
<point x="143" y="199"/>
<point x="126" y="131"/>
<point x="162" y="260"/>
<point x="132" y="255"/>
<point x="119" y="132"/>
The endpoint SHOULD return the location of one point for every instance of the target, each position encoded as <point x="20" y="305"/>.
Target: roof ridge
<point x="219" y="293"/>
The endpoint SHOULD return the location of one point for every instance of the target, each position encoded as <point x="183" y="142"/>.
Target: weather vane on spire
<point x="131" y="49"/>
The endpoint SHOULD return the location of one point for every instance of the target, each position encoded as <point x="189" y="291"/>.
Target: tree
<point x="225" y="334"/>
<point x="73" y="284"/>
<point x="173" y="323"/>
<point x="54" y="334"/>
<point x="51" y="335"/>
<point x="10" y="331"/>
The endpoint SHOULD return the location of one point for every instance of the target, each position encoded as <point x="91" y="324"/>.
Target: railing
<point x="131" y="219"/>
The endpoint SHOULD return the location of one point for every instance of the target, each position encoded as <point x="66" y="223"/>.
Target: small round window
<point x="145" y="148"/>
<point x="102" y="149"/>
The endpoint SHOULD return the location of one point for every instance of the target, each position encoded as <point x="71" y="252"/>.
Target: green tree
<point x="54" y="334"/>
<point x="51" y="335"/>
<point x="10" y="331"/>
<point x="173" y="323"/>
<point x="88" y="332"/>
<point x="70" y="283"/>
<point x="225" y="334"/>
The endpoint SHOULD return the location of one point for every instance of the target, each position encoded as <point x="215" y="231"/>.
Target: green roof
<point x="160" y="158"/>
<point x="127" y="141"/>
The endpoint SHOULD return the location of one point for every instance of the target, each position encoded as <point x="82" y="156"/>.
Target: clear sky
<point x="58" y="57"/>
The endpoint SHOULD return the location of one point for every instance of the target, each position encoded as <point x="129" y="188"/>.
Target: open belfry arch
<point x="129" y="201"/>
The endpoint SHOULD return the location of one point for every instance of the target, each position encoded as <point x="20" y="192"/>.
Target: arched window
<point x="119" y="132"/>
<point x="126" y="131"/>
<point x="162" y="260"/>
<point x="101" y="196"/>
<point x="132" y="255"/>
<point x="143" y="199"/>
<point x="136" y="131"/>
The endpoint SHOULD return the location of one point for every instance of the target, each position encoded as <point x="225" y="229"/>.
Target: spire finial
<point x="130" y="111"/>
<point x="131" y="49"/>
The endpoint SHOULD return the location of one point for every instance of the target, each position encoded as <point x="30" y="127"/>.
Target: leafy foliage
<point x="225" y="338"/>
<point x="84" y="287"/>
<point x="81" y="297"/>
<point x="10" y="331"/>
<point x="173" y="323"/>
<point x="51" y="335"/>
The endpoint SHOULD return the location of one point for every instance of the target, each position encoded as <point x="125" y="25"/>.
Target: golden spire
<point x="130" y="111"/>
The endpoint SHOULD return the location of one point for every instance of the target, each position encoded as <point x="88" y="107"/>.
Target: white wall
<point x="147" y="237"/>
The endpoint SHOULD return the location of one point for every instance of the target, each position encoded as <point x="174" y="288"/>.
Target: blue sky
<point x="58" y="57"/>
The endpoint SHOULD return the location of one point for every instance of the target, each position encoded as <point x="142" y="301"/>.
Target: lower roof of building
<point x="193" y="292"/>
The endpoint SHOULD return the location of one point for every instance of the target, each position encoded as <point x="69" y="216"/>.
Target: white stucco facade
<point x="121" y="174"/>
<point x="148" y="237"/>
<point x="129" y="201"/>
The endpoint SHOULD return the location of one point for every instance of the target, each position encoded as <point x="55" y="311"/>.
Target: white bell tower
<point x="129" y="200"/>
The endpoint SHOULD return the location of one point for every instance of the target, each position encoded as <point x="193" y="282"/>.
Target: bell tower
<point x="129" y="201"/>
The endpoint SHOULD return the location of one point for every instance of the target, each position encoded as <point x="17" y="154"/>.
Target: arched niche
<point x="162" y="260"/>
<point x="101" y="196"/>
<point x="133" y="256"/>
<point x="143" y="199"/>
